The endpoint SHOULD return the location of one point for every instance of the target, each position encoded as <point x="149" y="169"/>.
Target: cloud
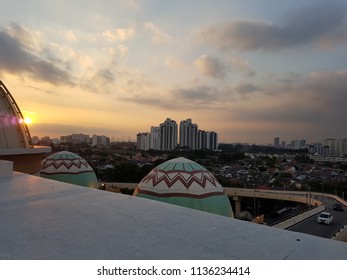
<point x="175" y="63"/>
<point x="323" y="23"/>
<point x="119" y="34"/>
<point x="30" y="40"/>
<point x="200" y="93"/>
<point x="247" y="88"/>
<point x="100" y="81"/>
<point x="202" y="96"/>
<point x="241" y="65"/>
<point x="158" y="36"/>
<point x="59" y="129"/>
<point x="211" y="66"/>
<point x="133" y="4"/>
<point x="71" y="36"/>
<point x="328" y="88"/>
<point x="106" y="75"/>
<point x="313" y="105"/>
<point x="17" y="56"/>
<point x="182" y="99"/>
<point x="153" y="102"/>
<point x="215" y="68"/>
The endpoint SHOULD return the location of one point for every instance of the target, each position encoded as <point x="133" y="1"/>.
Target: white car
<point x="325" y="217"/>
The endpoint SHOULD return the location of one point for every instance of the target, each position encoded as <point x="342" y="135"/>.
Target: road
<point x="310" y="225"/>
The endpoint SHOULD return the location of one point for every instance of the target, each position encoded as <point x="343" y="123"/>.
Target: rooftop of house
<point x="46" y="219"/>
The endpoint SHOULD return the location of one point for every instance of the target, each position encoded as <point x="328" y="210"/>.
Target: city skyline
<point x="250" y="71"/>
<point x="170" y="135"/>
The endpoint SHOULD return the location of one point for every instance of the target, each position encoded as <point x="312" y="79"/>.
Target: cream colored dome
<point x="183" y="182"/>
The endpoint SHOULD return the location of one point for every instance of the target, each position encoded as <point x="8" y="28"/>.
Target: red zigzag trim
<point x="68" y="164"/>
<point x="206" y="177"/>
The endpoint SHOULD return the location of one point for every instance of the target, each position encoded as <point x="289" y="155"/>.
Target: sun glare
<point x="28" y="121"/>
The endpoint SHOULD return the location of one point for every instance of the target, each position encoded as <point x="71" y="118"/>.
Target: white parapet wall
<point x="6" y="168"/>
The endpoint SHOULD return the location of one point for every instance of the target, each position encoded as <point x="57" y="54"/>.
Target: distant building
<point x="208" y="140"/>
<point x="276" y="142"/>
<point x="294" y="144"/>
<point x="188" y="135"/>
<point x="337" y="147"/>
<point x="213" y="143"/>
<point x="165" y="137"/>
<point x="76" y="138"/>
<point x="154" y="138"/>
<point x="318" y="149"/>
<point x="302" y="144"/>
<point x="35" y="140"/>
<point x="168" y="135"/>
<point x="142" y="140"/>
<point x="100" y="140"/>
<point x="80" y="138"/>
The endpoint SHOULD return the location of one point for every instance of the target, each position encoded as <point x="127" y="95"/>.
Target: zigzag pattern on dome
<point x="205" y="177"/>
<point x="186" y="195"/>
<point x="76" y="162"/>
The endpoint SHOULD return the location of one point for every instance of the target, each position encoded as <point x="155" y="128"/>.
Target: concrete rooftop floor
<point x="45" y="219"/>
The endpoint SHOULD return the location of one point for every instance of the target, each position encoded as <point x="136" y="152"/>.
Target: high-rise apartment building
<point x="168" y="135"/>
<point x="207" y="140"/>
<point x="318" y="148"/>
<point x="154" y="138"/>
<point x="165" y="137"/>
<point x="213" y="141"/>
<point x="100" y="140"/>
<point x="337" y="147"/>
<point x="142" y="140"/>
<point x="276" y="142"/>
<point x="76" y="138"/>
<point x="332" y="143"/>
<point x="188" y="135"/>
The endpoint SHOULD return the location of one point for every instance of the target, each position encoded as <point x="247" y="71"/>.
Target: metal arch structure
<point x="13" y="130"/>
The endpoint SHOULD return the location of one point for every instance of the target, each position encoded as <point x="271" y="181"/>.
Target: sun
<point x="28" y="117"/>
<point x="28" y="120"/>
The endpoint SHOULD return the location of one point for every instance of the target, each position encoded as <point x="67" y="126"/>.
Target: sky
<point x="248" y="70"/>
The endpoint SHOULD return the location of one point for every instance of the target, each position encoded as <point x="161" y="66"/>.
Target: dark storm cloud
<point x="17" y="57"/>
<point x="323" y="22"/>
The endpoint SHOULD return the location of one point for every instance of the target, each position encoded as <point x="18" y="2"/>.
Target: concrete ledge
<point x="50" y="220"/>
<point x="6" y="168"/>
<point x="341" y="235"/>
<point x="296" y="219"/>
<point x="25" y="151"/>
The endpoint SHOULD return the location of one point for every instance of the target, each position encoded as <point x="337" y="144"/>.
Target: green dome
<point x="69" y="168"/>
<point x="184" y="182"/>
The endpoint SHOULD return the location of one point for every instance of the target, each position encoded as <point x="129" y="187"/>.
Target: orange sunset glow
<point x="249" y="71"/>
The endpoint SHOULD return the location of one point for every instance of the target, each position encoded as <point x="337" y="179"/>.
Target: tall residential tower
<point x="188" y="135"/>
<point x="168" y="135"/>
